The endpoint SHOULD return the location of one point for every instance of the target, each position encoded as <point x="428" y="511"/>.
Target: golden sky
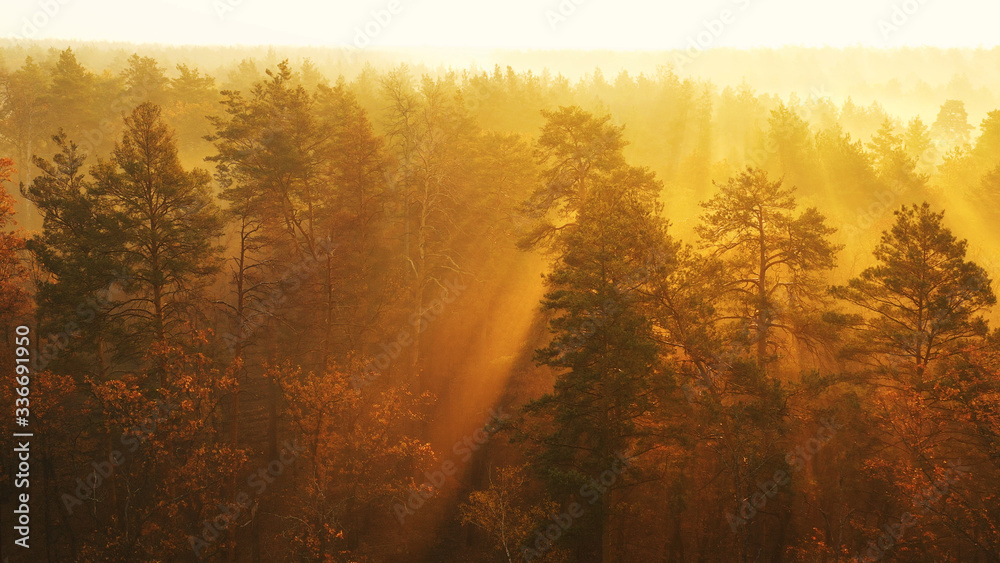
<point x="527" y="24"/>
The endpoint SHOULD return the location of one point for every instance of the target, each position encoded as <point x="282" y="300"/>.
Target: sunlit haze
<point x="523" y="24"/>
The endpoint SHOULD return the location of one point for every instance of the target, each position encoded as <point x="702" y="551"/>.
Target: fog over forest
<point x="431" y="305"/>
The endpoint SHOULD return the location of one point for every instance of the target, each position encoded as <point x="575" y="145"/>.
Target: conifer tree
<point x="169" y="226"/>
<point x="774" y="257"/>
<point x="923" y="299"/>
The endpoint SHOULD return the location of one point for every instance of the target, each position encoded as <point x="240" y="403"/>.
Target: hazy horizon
<point x="572" y="24"/>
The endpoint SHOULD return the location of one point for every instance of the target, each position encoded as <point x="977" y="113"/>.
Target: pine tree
<point x="192" y="97"/>
<point x="145" y="81"/>
<point x="359" y="275"/>
<point x="895" y="167"/>
<point x="923" y="299"/>
<point x="432" y="136"/>
<point x="273" y="155"/>
<point x="71" y="96"/>
<point x="774" y="257"/>
<point x="23" y="115"/>
<point x="918" y="143"/>
<point x="609" y="373"/>
<point x="169" y="225"/>
<point x="574" y="147"/>
<point x="79" y="251"/>
<point x="794" y="154"/>
<point x="951" y="129"/>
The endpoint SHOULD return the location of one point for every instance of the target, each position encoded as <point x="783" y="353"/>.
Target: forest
<point x="289" y="305"/>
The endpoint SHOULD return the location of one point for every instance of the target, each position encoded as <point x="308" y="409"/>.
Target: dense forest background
<point x="299" y="304"/>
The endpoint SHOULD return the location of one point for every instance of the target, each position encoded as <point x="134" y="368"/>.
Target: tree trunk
<point x="234" y="414"/>
<point x="762" y="315"/>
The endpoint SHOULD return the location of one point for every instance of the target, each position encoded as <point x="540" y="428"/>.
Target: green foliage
<point x="79" y="249"/>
